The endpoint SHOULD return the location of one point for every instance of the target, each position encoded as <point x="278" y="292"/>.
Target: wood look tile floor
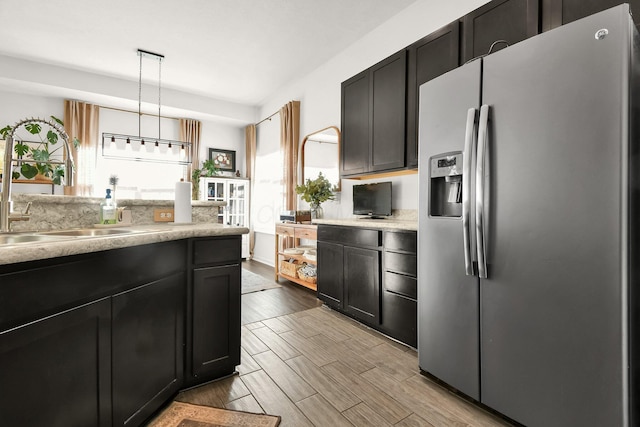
<point x="316" y="367"/>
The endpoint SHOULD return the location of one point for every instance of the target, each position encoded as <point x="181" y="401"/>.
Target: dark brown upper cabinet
<point x="559" y="12"/>
<point x="354" y="151"/>
<point x="374" y="118"/>
<point x="509" y="20"/>
<point x="429" y="58"/>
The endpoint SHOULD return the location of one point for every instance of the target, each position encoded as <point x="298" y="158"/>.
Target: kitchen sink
<point x="59" y="235"/>
<point x="88" y="232"/>
<point x="13" y="239"/>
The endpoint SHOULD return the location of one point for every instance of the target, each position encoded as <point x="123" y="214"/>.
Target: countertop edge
<point x="386" y="224"/>
<point x="142" y="235"/>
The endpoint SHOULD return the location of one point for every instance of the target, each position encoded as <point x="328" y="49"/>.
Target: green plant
<point x="317" y="191"/>
<point x="208" y="169"/>
<point x="37" y="155"/>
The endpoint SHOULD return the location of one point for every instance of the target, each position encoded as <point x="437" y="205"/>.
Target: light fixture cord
<point x="140" y="95"/>
<point x="159" y="92"/>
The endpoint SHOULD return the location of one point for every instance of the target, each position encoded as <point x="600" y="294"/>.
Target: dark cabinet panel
<point x="508" y="20"/>
<point x="429" y="58"/>
<point x="56" y="371"/>
<point x="362" y="284"/>
<point x="400" y="318"/>
<point x="217" y="251"/>
<point x="215" y="322"/>
<point x="330" y="272"/>
<point x="401" y="284"/>
<point x="147" y="348"/>
<point x="559" y="12"/>
<point x="400" y="290"/>
<point x="353" y="236"/>
<point x="403" y="242"/>
<point x="388" y="80"/>
<point x="374" y="118"/>
<point x="355" y="125"/>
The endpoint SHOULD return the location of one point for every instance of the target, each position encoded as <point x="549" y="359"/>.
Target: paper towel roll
<point x="182" y="204"/>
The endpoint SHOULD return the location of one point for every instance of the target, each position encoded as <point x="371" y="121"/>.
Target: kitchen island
<point x="104" y="330"/>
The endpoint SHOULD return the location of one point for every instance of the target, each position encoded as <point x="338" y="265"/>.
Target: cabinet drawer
<point x="306" y="233"/>
<point x="219" y="250"/>
<point x="351" y="236"/>
<point x="400" y="284"/>
<point x="400" y="318"/>
<point x="400" y="241"/>
<point x="285" y="230"/>
<point x="400" y="263"/>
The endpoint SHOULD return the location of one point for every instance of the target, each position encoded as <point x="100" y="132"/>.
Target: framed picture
<point x="225" y="160"/>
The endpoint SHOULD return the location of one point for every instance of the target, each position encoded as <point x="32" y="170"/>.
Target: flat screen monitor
<point x="373" y="200"/>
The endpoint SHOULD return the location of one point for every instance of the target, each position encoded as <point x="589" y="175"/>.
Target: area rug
<point x="252" y="282"/>
<point x="180" y="414"/>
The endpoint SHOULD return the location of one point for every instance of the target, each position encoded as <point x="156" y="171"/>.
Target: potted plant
<point x="316" y="192"/>
<point x="208" y="169"/>
<point x="38" y="154"/>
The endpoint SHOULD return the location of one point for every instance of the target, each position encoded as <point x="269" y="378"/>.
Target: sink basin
<point x="87" y="232"/>
<point x="58" y="235"/>
<point x="13" y="239"/>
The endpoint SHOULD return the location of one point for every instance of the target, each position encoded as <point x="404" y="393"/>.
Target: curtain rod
<point x="267" y="118"/>
<point x="135" y="112"/>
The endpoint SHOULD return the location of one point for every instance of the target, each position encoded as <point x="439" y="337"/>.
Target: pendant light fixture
<point x="134" y="147"/>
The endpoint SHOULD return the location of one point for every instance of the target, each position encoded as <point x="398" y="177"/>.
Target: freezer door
<point x="552" y="308"/>
<point x="448" y="298"/>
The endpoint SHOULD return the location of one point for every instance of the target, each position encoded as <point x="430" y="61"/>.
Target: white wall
<point x="17" y="106"/>
<point x="319" y="93"/>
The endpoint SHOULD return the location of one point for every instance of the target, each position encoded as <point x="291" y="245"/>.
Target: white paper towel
<point x="182" y="204"/>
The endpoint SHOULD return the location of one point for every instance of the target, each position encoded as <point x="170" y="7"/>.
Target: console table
<point x="297" y="232"/>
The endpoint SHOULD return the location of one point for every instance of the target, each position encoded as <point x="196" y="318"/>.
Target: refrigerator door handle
<point x="481" y="164"/>
<point x="469" y="149"/>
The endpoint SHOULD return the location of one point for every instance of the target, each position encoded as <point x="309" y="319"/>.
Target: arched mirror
<point x="320" y="152"/>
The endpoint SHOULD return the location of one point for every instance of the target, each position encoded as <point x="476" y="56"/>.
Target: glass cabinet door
<point x="215" y="191"/>
<point x="236" y="204"/>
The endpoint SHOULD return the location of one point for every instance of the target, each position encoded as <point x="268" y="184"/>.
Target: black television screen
<point x="373" y="200"/>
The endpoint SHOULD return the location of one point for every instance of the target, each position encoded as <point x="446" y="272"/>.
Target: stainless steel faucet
<point x="6" y="212"/>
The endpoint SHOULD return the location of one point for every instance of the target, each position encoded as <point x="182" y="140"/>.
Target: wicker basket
<point x="290" y="268"/>
<point x="308" y="279"/>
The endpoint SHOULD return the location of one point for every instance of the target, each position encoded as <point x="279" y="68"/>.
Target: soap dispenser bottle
<point x="108" y="209"/>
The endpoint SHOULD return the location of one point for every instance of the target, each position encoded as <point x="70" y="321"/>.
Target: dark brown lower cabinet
<point x="213" y="308"/>
<point x="56" y="371"/>
<point x="330" y="271"/>
<point x="371" y="276"/>
<point x="147" y="348"/>
<point x="400" y="286"/>
<point x="100" y="339"/>
<point x="362" y="284"/>
<point x="216" y="322"/>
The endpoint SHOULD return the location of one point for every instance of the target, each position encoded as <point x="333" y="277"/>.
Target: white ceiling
<point x="233" y="50"/>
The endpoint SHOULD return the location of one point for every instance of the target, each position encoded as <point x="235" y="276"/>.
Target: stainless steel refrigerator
<point x="528" y="219"/>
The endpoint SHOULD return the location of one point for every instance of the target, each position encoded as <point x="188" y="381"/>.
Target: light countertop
<point x="385" y="224"/>
<point x="143" y="234"/>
